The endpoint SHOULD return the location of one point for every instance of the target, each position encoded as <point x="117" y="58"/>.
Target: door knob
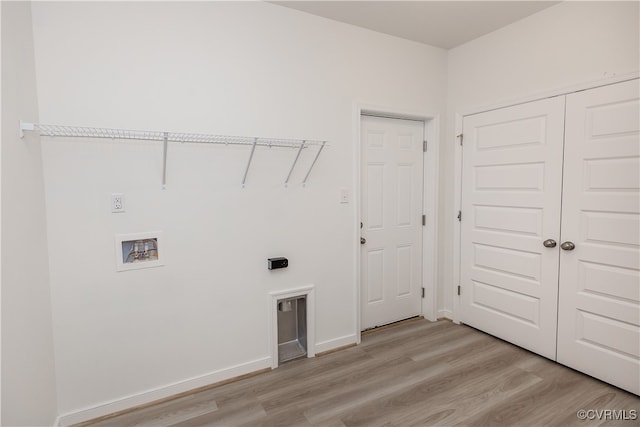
<point x="363" y="240"/>
<point x="568" y="246"/>
<point x="549" y="243"/>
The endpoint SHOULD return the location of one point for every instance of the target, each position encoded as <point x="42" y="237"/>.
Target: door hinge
<point x="459" y="215"/>
<point x="424" y="219"/>
<point x="424" y="145"/>
<point x="422" y="292"/>
<point x="461" y="136"/>
<point x="458" y="289"/>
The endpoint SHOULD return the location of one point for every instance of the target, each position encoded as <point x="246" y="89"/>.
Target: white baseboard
<point x="447" y="314"/>
<point x="335" y="343"/>
<point x="162" y="392"/>
<point x="186" y="385"/>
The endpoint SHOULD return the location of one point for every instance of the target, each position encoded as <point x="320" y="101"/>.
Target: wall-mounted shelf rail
<point x="166" y="137"/>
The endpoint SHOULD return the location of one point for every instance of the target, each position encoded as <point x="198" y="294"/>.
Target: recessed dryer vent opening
<point x="292" y="328"/>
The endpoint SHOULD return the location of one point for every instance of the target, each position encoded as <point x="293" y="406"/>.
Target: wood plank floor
<point x="417" y="373"/>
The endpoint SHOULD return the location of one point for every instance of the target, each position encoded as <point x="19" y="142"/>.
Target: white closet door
<point x="599" y="311"/>
<point x="391" y="182"/>
<point x="512" y="177"/>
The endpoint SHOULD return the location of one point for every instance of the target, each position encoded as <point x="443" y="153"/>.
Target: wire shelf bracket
<point x="166" y="137"/>
<point x="315" y="159"/>
<point x="286" y="181"/>
<point x="246" y="171"/>
<point x="165" y="146"/>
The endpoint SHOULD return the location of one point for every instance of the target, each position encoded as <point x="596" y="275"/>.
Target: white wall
<point x="228" y="68"/>
<point x="564" y="45"/>
<point x="247" y="69"/>
<point x="28" y="377"/>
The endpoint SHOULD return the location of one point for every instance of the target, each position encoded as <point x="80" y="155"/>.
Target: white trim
<point x="458" y="157"/>
<point x="357" y="196"/>
<point x="430" y="194"/>
<point x="446" y="314"/>
<point x="457" y="196"/>
<point x="335" y="343"/>
<point x="162" y="392"/>
<point x="565" y="90"/>
<point x="274" y="296"/>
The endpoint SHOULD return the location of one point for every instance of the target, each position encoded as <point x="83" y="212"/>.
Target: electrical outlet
<point x="117" y="202"/>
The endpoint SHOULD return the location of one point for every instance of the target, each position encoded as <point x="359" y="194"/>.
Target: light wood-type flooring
<point x="417" y="373"/>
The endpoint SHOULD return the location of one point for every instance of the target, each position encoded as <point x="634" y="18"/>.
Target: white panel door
<point x="511" y="190"/>
<point x="599" y="307"/>
<point x="391" y="188"/>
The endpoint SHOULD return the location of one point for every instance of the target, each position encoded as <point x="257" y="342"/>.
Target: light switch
<point x="344" y="195"/>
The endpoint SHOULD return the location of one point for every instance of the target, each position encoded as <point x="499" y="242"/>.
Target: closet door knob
<point x="568" y="246"/>
<point x="549" y="243"/>
<point x="363" y="240"/>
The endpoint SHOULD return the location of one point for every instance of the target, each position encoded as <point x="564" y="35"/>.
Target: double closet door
<point x="550" y="237"/>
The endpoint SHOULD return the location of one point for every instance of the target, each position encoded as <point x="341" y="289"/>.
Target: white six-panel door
<point x="391" y="189"/>
<point x="599" y="306"/>
<point x="512" y="178"/>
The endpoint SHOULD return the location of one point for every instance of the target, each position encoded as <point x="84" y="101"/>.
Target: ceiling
<point x="444" y="24"/>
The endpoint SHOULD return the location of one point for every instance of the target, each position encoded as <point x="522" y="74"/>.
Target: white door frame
<point x="429" y="205"/>
<point x="458" y="161"/>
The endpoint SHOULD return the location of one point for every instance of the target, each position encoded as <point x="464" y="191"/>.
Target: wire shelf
<point x="50" y="130"/>
<point x="144" y="135"/>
